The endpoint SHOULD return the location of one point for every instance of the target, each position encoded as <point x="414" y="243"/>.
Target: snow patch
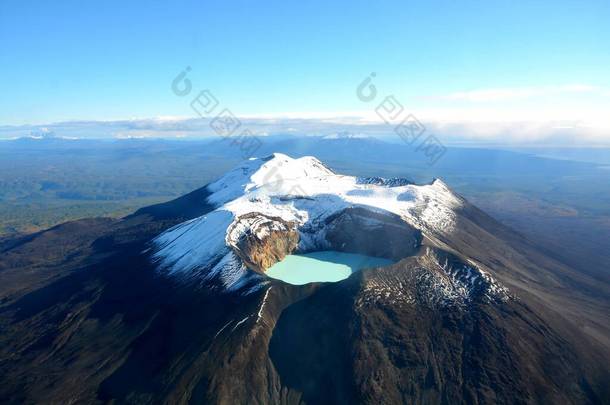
<point x="260" y="311"/>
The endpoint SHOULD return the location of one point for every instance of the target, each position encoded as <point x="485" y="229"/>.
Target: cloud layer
<point x="571" y="114"/>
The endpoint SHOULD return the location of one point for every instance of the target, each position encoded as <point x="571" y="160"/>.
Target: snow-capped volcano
<point x="150" y="308"/>
<point x="269" y="207"/>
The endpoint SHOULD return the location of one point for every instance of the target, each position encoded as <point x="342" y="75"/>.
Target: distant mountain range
<point x="462" y="132"/>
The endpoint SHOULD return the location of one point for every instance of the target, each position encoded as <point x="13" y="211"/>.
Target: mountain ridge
<point x="105" y="324"/>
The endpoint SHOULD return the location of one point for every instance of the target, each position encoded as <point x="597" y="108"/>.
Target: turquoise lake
<point x="322" y="266"/>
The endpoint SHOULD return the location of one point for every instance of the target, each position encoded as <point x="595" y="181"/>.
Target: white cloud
<point x="550" y="114"/>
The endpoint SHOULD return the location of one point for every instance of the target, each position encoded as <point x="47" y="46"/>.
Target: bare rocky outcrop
<point x="262" y="241"/>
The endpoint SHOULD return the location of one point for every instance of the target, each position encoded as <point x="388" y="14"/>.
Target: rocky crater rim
<point x="265" y="209"/>
<point x="263" y="241"/>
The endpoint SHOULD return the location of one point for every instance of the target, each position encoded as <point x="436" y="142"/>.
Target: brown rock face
<point x="358" y="230"/>
<point x="267" y="240"/>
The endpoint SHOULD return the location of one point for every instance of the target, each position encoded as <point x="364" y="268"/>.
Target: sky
<point x="480" y="66"/>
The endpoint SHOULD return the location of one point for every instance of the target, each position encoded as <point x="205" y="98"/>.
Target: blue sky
<point x="106" y="60"/>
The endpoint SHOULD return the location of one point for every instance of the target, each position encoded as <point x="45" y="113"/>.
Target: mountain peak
<point x="268" y="207"/>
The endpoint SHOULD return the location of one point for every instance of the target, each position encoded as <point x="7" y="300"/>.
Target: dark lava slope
<point x="85" y="318"/>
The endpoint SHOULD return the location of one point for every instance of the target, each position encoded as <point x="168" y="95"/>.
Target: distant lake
<point x="326" y="265"/>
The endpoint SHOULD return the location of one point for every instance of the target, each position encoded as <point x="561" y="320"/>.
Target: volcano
<point x="172" y="304"/>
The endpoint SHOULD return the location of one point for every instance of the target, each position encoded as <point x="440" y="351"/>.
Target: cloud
<point x="476" y="115"/>
<point x="452" y="127"/>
